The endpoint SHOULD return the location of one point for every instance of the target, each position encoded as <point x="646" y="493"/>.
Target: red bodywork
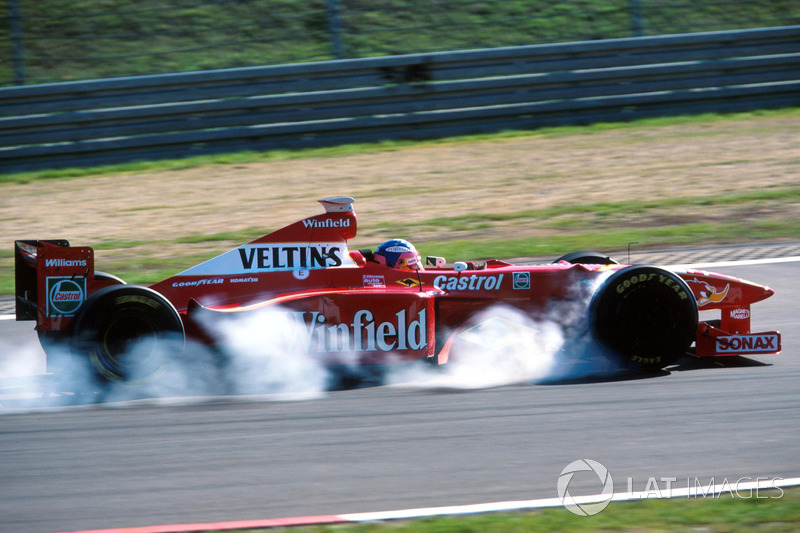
<point x="343" y="302"/>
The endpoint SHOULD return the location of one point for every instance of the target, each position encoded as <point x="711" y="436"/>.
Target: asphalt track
<point x="375" y="449"/>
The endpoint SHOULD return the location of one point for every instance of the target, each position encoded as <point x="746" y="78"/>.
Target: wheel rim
<point x="128" y="345"/>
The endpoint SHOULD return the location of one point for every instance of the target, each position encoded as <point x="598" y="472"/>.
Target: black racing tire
<point x="105" y="276"/>
<point x="646" y="315"/>
<point x="586" y="258"/>
<point x="126" y="332"/>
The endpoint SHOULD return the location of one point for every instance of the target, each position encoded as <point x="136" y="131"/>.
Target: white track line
<point x="750" y="262"/>
<point x="713" y="491"/>
<point x="716" y="490"/>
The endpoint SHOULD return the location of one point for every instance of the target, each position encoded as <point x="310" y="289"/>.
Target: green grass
<point x="232" y="158"/>
<point x="84" y="39"/>
<point x="584" y="216"/>
<point x="771" y="512"/>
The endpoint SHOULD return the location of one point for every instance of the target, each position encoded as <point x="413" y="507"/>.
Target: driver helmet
<point x="399" y="254"/>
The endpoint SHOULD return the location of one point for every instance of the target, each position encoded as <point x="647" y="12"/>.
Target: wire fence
<point x="45" y="41"/>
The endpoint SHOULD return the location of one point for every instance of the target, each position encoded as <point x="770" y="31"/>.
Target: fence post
<point x="17" y="50"/>
<point x="335" y="29"/>
<point x="637" y="19"/>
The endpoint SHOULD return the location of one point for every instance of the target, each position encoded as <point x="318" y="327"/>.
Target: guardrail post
<point x="637" y="19"/>
<point x="17" y="50"/>
<point x="335" y="29"/>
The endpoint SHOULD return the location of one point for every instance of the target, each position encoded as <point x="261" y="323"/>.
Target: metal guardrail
<point x="408" y="96"/>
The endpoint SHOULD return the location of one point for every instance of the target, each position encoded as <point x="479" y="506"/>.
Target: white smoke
<point x="27" y="381"/>
<point x="20" y="366"/>
<point x="506" y="346"/>
<point x="269" y="354"/>
<point x="262" y="352"/>
<point x="500" y="346"/>
<point x="253" y="357"/>
<point x="20" y="360"/>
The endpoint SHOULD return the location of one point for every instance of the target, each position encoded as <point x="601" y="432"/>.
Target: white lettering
<point x="386" y="329"/>
<point x="418" y="333"/>
<point x="313" y="333"/>
<point x="48" y="263"/>
<point x="740" y="314"/>
<point x="327" y="223"/>
<point x="468" y="283"/>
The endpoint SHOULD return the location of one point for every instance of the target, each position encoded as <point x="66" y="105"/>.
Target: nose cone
<point x="755" y="293"/>
<point x="714" y="290"/>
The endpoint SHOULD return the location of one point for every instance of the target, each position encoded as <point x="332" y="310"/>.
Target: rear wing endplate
<point x="50" y="281"/>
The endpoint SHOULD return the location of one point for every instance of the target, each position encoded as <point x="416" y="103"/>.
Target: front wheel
<point x="587" y="258"/>
<point x="126" y="332"/>
<point x="646" y="315"/>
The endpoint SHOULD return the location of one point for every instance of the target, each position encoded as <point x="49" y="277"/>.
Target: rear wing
<point x="51" y="279"/>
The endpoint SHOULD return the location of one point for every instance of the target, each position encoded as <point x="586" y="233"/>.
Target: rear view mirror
<point x="433" y="261"/>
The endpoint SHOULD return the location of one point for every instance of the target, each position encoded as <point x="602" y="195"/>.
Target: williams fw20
<point x="377" y="307"/>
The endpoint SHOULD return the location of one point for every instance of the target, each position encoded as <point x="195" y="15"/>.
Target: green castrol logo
<point x="65" y="295"/>
<point x="637" y="279"/>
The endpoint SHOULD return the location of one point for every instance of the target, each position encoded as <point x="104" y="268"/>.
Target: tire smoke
<point x="500" y="346"/>
<point x="271" y="353"/>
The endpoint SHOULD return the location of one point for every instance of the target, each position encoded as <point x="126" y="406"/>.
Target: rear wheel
<point x="646" y="315"/>
<point x="126" y="332"/>
<point x="105" y="276"/>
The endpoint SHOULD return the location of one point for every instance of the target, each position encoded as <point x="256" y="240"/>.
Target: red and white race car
<point x="377" y="306"/>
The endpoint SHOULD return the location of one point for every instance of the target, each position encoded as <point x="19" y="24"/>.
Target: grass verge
<point x="84" y="39"/>
<point x="770" y="512"/>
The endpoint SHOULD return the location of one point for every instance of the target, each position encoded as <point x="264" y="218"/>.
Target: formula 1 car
<point x="345" y="302"/>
